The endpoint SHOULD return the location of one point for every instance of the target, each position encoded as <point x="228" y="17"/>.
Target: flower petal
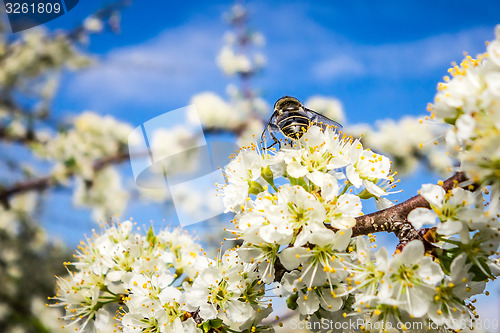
<point x="420" y="216"/>
<point x="434" y="194"/>
<point x="296" y="170"/>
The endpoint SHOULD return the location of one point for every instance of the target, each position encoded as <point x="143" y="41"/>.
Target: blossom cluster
<point x="124" y="280"/>
<point x="415" y="286"/>
<point x="305" y="198"/>
<point x="21" y="60"/>
<point x="466" y="239"/>
<point x="469" y="100"/>
<point x="296" y="208"/>
<point x="92" y="137"/>
<point x="295" y="214"/>
<point x="231" y="59"/>
<point x="79" y="150"/>
<point x="30" y="67"/>
<point x="29" y="71"/>
<point x="216" y="113"/>
<point x="417" y="142"/>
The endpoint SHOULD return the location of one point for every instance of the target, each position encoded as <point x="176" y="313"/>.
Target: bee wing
<point x="267" y="134"/>
<point x="320" y="120"/>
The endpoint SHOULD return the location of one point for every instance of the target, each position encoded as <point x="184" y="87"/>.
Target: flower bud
<point x="365" y="195"/>
<point x="267" y="174"/>
<point x="254" y="187"/>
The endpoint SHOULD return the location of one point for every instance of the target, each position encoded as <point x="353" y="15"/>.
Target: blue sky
<point x="381" y="59"/>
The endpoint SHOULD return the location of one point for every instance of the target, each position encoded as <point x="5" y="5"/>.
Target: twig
<point x="26" y="138"/>
<point x="393" y="219"/>
<point x="40" y="184"/>
<point x="101" y="14"/>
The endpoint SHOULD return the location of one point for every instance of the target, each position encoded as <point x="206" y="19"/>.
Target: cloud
<point x="420" y="57"/>
<point x="413" y="59"/>
<point x="302" y="48"/>
<point x="342" y="65"/>
<point x="303" y="54"/>
<point x="166" y="70"/>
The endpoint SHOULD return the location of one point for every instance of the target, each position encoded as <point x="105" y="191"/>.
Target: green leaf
<point x="482" y="273"/>
<point x="70" y="162"/>
<point x="450" y="121"/>
<point x="446" y="257"/>
<point x="205" y="326"/>
<point x="303" y="183"/>
<point x="291" y="302"/>
<point x="216" y="323"/>
<point x="208" y="325"/>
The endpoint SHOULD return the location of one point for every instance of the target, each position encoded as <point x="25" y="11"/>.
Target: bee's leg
<point x="271" y="128"/>
<point x="275" y="142"/>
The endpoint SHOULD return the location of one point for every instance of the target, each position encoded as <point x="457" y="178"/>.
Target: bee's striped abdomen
<point x="294" y="125"/>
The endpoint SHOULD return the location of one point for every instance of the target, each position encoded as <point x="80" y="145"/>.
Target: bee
<point x="292" y="119"/>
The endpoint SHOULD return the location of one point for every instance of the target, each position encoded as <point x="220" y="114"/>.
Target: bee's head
<point x="287" y="102"/>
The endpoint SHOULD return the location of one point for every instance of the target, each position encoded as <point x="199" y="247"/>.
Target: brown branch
<point x="26" y="138"/>
<point x="114" y="159"/>
<point x="395" y="219"/>
<point x="40" y="184"/>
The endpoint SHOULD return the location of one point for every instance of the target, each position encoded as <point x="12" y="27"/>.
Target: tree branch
<point x="28" y="137"/>
<point x="395" y="219"/>
<point x="40" y="184"/>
